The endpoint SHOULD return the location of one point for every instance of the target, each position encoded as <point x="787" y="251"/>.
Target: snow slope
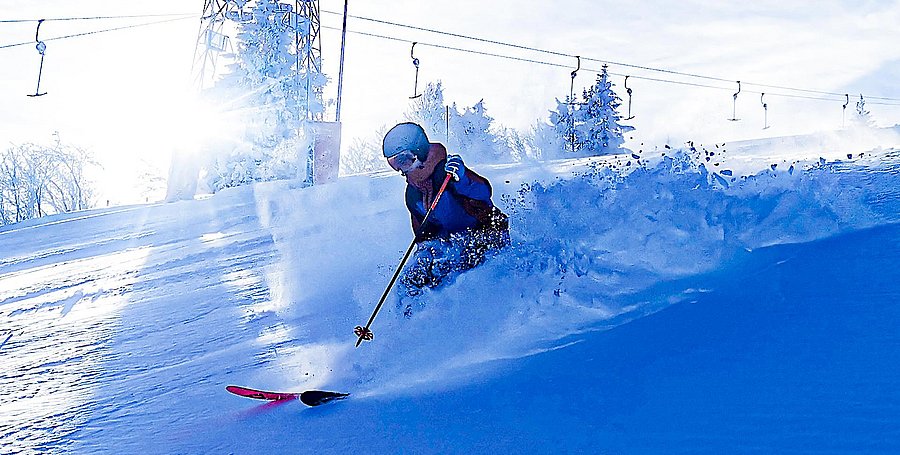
<point x="777" y="279"/>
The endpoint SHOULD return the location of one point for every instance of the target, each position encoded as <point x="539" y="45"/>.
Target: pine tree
<point x="591" y="127"/>
<point x="563" y="121"/>
<point x="597" y="124"/>
<point x="470" y="131"/>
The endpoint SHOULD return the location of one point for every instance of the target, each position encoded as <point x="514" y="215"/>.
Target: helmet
<point x="406" y="136"/>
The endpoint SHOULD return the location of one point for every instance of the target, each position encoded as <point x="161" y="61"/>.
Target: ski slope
<point x="662" y="302"/>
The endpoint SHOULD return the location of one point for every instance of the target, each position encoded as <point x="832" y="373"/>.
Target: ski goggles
<point x="402" y="162"/>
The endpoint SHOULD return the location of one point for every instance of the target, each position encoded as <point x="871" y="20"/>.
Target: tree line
<point x="38" y="180"/>
<point x="588" y="127"/>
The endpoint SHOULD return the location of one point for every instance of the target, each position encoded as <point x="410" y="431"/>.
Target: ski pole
<point x="364" y="333"/>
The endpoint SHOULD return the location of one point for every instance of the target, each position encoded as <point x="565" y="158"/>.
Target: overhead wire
<point x="423" y="29"/>
<point x="131" y="16"/>
<point x="441" y="46"/>
<point x="559" y="65"/>
<point x="124" y="27"/>
<point x="183" y="16"/>
<point x="508" y="57"/>
<point x="610" y="62"/>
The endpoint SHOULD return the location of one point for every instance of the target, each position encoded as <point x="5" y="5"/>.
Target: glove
<point x="455" y="167"/>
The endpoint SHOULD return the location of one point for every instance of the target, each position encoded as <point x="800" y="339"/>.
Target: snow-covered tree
<point x="592" y="126"/>
<point x="470" y="131"/>
<point x="13" y="205"/>
<point x="37" y="180"/>
<point x="151" y="179"/>
<point x="470" y="128"/>
<point x="521" y="146"/>
<point x="597" y="120"/>
<point x="429" y="111"/>
<point x="563" y="121"/>
<point x="364" y="155"/>
<point x="67" y="187"/>
<point x="546" y="142"/>
<point x="266" y="99"/>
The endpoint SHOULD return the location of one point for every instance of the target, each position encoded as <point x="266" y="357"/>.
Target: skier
<point x="464" y="225"/>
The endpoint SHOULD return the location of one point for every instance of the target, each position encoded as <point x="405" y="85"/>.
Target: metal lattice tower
<point x="218" y="23"/>
<point x="213" y="38"/>
<point x="309" y="47"/>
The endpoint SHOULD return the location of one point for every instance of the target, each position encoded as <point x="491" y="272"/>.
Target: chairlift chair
<point x="628" y="90"/>
<point x="734" y="103"/>
<point x="415" y="62"/>
<point x="41" y="48"/>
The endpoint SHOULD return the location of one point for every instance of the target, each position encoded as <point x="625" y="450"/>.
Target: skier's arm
<point x="467" y="182"/>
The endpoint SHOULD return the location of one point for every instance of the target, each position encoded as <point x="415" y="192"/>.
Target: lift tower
<point x="219" y="23"/>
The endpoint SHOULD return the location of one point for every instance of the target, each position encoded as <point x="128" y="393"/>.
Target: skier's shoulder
<point x="476" y="177"/>
<point x="438" y="148"/>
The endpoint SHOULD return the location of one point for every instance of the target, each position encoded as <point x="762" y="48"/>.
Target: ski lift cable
<point x="744" y="90"/>
<point x="441" y="46"/>
<point x="509" y="57"/>
<point x="4" y="46"/>
<point x="526" y="60"/>
<point x="660" y="70"/>
<point x="518" y="46"/>
<point x="610" y="62"/>
<point x="745" y="83"/>
<point x="694" y="84"/>
<point x="817" y="91"/>
<point x="559" y="65"/>
<point x="133" y="16"/>
<point x="456" y="35"/>
<point x="181" y="16"/>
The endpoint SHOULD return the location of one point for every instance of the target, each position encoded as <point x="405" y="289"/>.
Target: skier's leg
<point x="424" y="269"/>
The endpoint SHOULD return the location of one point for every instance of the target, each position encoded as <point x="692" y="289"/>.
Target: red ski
<point x="309" y="397"/>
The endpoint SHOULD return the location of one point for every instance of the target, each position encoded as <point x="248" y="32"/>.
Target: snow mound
<point x="588" y="236"/>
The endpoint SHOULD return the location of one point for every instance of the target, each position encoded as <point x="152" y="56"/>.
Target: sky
<point x="127" y="95"/>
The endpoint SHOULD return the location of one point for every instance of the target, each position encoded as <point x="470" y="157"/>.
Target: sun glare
<point x="193" y="125"/>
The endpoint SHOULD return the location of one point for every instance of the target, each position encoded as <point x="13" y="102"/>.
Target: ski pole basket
<point x="363" y="333"/>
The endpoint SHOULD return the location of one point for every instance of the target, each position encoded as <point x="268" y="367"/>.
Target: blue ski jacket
<point x="465" y="205"/>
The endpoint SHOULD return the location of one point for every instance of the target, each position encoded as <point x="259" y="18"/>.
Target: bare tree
<point x="365" y="155"/>
<point x="11" y="191"/>
<point x="36" y="180"/>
